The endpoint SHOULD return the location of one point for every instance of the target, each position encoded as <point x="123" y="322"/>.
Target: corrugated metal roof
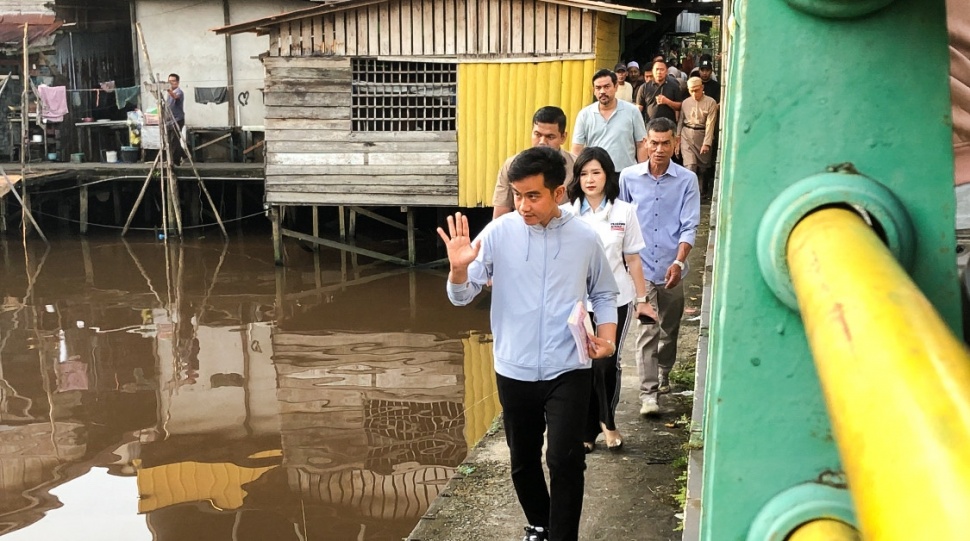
<point x="38" y="26"/>
<point x="259" y="25"/>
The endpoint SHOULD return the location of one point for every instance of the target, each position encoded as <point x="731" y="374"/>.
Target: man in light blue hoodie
<point x="543" y="262"/>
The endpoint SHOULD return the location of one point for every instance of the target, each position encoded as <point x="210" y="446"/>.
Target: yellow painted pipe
<point x="824" y="530"/>
<point x="896" y="381"/>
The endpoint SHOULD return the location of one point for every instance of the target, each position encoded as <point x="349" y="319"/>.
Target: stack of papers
<point x="581" y="326"/>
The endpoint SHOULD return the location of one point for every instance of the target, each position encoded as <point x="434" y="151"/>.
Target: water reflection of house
<point x="223" y="417"/>
<point x="387" y="415"/>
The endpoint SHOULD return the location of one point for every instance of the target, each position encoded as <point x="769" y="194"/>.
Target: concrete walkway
<point x="631" y="494"/>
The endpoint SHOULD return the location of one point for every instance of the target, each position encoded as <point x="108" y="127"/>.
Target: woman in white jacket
<point x="593" y="198"/>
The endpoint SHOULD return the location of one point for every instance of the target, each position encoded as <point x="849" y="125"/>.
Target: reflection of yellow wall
<point x="481" y="396"/>
<point x="220" y="484"/>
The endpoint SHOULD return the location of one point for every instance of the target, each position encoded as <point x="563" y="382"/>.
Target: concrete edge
<point x="441" y="501"/>
<point x="695" y="455"/>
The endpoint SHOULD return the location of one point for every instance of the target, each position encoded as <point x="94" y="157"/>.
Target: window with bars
<point x="403" y="96"/>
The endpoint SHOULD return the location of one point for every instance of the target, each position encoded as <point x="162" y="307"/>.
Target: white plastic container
<point x="111" y="156"/>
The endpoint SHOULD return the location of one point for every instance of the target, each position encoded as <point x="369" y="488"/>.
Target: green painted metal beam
<point x="814" y="86"/>
<point x="641" y="16"/>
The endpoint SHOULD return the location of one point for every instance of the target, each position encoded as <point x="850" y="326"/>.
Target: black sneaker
<point x="535" y="534"/>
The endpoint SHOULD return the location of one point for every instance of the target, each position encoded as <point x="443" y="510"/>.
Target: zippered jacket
<point x="538" y="275"/>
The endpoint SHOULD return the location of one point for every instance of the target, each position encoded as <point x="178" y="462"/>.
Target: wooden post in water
<point x="116" y="201"/>
<point x="84" y="210"/>
<point x="274" y="217"/>
<point x="316" y="226"/>
<point x="412" y="252"/>
<point x="342" y="221"/>
<point x="24" y="138"/>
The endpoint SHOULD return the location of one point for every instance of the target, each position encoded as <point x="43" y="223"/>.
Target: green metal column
<point x="857" y="87"/>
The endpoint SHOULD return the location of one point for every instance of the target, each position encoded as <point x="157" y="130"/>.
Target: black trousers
<point x="529" y="407"/>
<point x="607" y="378"/>
<point x="174" y="141"/>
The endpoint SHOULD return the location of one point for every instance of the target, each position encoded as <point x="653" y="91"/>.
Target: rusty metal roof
<point x="38" y="26"/>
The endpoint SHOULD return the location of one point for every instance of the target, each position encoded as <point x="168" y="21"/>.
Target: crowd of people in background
<point x="606" y="227"/>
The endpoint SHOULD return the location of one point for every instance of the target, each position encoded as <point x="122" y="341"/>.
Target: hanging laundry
<point x="124" y="96"/>
<point x="75" y="98"/>
<point x="108" y="86"/>
<point x="72" y="375"/>
<point x="54" y="100"/>
<point x="216" y="94"/>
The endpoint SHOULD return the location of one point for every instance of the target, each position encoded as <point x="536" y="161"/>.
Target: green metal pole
<point x="815" y="86"/>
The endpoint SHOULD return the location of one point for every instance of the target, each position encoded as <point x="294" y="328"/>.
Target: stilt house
<point x="419" y="102"/>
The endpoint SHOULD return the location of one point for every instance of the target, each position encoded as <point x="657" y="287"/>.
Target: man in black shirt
<point x="660" y="97"/>
<point x="712" y="88"/>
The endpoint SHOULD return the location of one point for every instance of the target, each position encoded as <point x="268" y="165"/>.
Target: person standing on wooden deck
<point x="548" y="130"/>
<point x="545" y="262"/>
<point x="175" y="118"/>
<point x="613" y="124"/>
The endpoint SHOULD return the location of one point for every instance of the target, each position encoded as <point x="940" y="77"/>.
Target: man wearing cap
<point x="624" y="90"/>
<point x="633" y="75"/>
<point x="712" y="88"/>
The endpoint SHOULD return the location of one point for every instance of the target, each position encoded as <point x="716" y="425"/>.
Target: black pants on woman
<point x="607" y="381"/>
<point x="529" y="407"/>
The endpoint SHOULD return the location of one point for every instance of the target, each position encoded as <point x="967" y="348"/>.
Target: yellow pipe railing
<point x="895" y="380"/>
<point x="824" y="530"/>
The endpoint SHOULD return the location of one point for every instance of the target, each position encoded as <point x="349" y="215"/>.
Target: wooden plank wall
<point x="313" y="157"/>
<point x="441" y="28"/>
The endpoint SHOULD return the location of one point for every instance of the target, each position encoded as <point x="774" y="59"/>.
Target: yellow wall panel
<point x="607" y="40"/>
<point x="495" y="106"/>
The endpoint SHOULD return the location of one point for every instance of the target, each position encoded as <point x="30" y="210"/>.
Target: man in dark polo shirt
<point x="661" y="97"/>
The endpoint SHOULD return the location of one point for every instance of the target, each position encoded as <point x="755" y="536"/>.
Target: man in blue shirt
<point x="544" y="262"/>
<point x="668" y="209"/>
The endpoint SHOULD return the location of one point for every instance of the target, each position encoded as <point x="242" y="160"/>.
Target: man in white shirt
<point x="624" y="90"/>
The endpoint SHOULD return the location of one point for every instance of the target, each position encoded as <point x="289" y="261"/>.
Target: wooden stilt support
<point x="353" y="224"/>
<point x="274" y="217"/>
<point x="116" y="201"/>
<point x="88" y="264"/>
<point x="316" y="226"/>
<point x="84" y="210"/>
<point x="412" y="249"/>
<point x="239" y="201"/>
<point x="25" y="205"/>
<point x="195" y="205"/>
<point x="3" y="214"/>
<point x="413" y="295"/>
<point x="342" y="222"/>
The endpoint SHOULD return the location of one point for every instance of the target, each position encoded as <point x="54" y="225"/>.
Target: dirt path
<point x="630" y="494"/>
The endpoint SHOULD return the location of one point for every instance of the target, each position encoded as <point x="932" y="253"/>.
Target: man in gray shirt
<point x="175" y="102"/>
<point x="612" y="124"/>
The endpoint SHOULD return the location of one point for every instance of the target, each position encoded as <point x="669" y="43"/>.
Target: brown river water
<point x="193" y="390"/>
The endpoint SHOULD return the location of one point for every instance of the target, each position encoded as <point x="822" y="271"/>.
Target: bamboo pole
<point x="24" y="137"/>
<point x="23" y="205"/>
<point x="164" y="115"/>
<point x="141" y="195"/>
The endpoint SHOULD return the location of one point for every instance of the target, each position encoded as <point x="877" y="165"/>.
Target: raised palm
<point x="461" y="251"/>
